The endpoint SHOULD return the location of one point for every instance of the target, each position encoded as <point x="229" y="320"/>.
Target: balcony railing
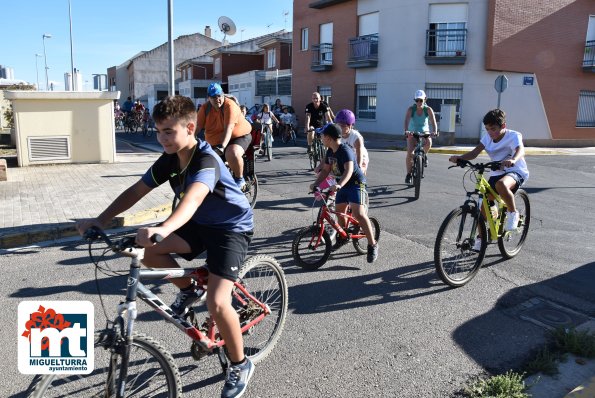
<point x="589" y="57"/>
<point x="446" y="46"/>
<point x="363" y="51"/>
<point x="322" y="57"/>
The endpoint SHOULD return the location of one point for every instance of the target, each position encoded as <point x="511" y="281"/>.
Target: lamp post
<point x="37" y="69"/>
<point x="72" y="87"/>
<point x="45" y="59"/>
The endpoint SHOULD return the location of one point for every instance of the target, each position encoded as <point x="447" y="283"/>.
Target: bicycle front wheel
<point x="417" y="171"/>
<point x="263" y="278"/>
<point x="454" y="257"/>
<point x="308" y="252"/>
<point x="361" y="245"/>
<point x="510" y="242"/>
<point x="269" y="148"/>
<point x="152" y="372"/>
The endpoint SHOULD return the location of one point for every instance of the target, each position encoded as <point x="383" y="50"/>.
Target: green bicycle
<point x="458" y="254"/>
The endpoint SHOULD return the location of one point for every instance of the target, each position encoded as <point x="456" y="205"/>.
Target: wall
<point x="86" y="117"/>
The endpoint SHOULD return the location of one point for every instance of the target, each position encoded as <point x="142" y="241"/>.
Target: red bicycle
<point x="312" y="245"/>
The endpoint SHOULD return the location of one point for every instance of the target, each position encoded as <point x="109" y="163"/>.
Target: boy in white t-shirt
<point x="504" y="145"/>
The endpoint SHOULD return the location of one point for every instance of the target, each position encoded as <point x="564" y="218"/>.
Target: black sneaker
<point x="185" y="298"/>
<point x="372" y="253"/>
<point x="408" y="179"/>
<point x="340" y="242"/>
<point x="236" y="379"/>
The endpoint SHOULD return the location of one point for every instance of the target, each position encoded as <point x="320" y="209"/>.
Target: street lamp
<point x="37" y="69"/>
<point x="43" y="37"/>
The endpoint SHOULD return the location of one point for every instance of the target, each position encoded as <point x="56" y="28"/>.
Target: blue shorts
<point x="513" y="174"/>
<point x="352" y="193"/>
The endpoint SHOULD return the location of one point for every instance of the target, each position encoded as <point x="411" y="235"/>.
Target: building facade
<point x="454" y="50"/>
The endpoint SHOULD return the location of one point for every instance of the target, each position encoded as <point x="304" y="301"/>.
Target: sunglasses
<point x="419" y="100"/>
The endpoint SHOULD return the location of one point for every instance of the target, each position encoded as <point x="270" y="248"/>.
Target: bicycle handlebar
<point x="95" y="233"/>
<point x="417" y="134"/>
<point x="462" y="163"/>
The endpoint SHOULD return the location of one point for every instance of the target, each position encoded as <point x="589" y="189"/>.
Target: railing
<point x="363" y="51"/>
<point x="273" y="85"/>
<point x="446" y="46"/>
<point x="322" y="57"/>
<point x="589" y="57"/>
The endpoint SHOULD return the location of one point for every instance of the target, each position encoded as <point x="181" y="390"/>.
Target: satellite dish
<point x="227" y="26"/>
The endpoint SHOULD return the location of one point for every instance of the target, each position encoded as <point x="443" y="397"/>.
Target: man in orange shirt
<point x="225" y="127"/>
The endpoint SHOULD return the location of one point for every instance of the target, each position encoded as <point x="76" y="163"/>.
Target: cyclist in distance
<point x="418" y="119"/>
<point x="350" y="188"/>
<point x="213" y="215"/>
<point x="317" y="115"/>
<point x="350" y="136"/>
<point x="225" y="127"/>
<point x="502" y="144"/>
<point x="127" y="105"/>
<point x="265" y="118"/>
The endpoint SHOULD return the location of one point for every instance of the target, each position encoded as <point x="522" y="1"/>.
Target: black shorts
<point x="226" y="250"/>
<point x="243" y="141"/>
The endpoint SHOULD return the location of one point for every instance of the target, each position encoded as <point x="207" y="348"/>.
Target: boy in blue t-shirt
<point x="213" y="215"/>
<point x="502" y="144"/>
<point x="350" y="187"/>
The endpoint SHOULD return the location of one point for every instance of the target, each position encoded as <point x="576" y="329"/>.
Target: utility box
<point x="448" y="118"/>
<point x="64" y="127"/>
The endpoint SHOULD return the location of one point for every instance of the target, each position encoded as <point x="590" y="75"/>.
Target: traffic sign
<point x="501" y="83"/>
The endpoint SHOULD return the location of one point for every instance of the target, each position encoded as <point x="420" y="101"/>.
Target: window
<point x="585" y="116"/>
<point x="304" y="43"/>
<point x="325" y="94"/>
<point x="217" y="66"/>
<point x="271" y="58"/>
<point x="444" y="93"/>
<point x="447" y="34"/>
<point x="366" y="101"/>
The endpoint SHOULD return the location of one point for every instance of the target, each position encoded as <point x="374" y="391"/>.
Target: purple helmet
<point x="345" y="116"/>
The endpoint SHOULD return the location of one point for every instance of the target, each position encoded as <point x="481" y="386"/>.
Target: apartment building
<point x="371" y="56"/>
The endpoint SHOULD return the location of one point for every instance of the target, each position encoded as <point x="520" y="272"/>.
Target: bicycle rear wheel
<point x="417" y="171"/>
<point x="251" y="189"/>
<point x="263" y="278"/>
<point x="152" y="372"/>
<point x="511" y="242"/>
<point x="361" y="244"/>
<point x="306" y="253"/>
<point x="455" y="260"/>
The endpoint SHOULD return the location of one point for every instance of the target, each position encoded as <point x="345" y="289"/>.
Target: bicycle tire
<point x="264" y="279"/>
<point x="285" y="137"/>
<point x="293" y="137"/>
<point x="312" y="158"/>
<point x="361" y="244"/>
<point x="320" y="149"/>
<point x="140" y="372"/>
<point x="304" y="255"/>
<point x="251" y="191"/>
<point x="417" y="170"/>
<point x="511" y="242"/>
<point x="454" y="258"/>
<point x="269" y="148"/>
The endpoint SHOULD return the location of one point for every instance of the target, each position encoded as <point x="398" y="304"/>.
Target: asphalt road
<point x="353" y="329"/>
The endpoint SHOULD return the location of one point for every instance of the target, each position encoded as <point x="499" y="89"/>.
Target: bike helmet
<point x="214" y="89"/>
<point x="345" y="116"/>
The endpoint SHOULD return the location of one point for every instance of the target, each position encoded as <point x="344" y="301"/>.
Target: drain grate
<point x="549" y="315"/>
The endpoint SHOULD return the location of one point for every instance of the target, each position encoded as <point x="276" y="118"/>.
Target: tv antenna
<point x="285" y="13"/>
<point x="227" y="26"/>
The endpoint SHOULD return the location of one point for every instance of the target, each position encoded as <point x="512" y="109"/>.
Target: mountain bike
<point x="456" y="258"/>
<point x="311" y="246"/>
<point x="420" y="161"/>
<point x="130" y="364"/>
<point x="316" y="156"/>
<point x="266" y="146"/>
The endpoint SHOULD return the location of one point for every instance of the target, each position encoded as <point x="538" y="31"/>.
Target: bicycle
<point x="420" y="161"/>
<point x="455" y="258"/>
<point x="288" y="134"/>
<point x="316" y="156"/>
<point x="266" y="145"/>
<point x="311" y="247"/>
<point x="130" y="364"/>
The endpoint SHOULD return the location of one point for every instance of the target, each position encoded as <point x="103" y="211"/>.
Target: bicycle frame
<point x="482" y="190"/>
<point x="326" y="215"/>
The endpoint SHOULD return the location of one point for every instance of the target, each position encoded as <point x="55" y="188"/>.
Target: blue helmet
<point x="214" y="89"/>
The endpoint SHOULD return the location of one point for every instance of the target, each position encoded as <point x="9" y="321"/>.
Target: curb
<point x="35" y="234"/>
<point x="586" y="390"/>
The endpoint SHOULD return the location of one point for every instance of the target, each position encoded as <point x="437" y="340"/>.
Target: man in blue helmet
<point x="225" y="126"/>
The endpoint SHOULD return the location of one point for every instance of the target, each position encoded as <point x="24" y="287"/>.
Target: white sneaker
<point x="477" y="244"/>
<point x="512" y="221"/>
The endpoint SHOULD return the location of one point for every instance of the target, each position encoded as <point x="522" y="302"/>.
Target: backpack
<point x="227" y="96"/>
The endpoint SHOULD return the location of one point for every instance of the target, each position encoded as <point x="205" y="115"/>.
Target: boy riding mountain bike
<point x="213" y="215"/>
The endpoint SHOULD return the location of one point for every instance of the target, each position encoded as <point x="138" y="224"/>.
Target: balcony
<point x="363" y="52"/>
<point x="589" y="57"/>
<point x="446" y="46"/>
<point x="322" y="57"/>
<point x="320" y="4"/>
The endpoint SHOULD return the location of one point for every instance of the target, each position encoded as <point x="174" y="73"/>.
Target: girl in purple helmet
<point x="346" y="119"/>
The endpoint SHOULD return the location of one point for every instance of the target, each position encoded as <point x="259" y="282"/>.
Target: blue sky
<point x="108" y="32"/>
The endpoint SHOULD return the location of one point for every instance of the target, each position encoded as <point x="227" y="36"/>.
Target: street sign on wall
<point x="500" y="85"/>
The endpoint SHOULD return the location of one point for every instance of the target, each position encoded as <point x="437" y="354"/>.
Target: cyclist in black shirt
<point x="317" y="115"/>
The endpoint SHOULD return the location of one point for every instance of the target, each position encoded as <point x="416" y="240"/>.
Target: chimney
<point x="207" y="31"/>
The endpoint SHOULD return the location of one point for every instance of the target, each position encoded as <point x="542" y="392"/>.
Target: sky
<point x="106" y="33"/>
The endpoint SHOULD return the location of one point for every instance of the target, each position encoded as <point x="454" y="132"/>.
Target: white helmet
<point x="420" y="94"/>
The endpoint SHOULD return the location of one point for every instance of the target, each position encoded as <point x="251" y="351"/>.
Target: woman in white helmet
<point x="418" y="119"/>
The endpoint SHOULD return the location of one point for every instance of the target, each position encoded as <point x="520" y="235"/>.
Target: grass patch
<point x="546" y="361"/>
<point x="508" y="385"/>
<point x="579" y="343"/>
